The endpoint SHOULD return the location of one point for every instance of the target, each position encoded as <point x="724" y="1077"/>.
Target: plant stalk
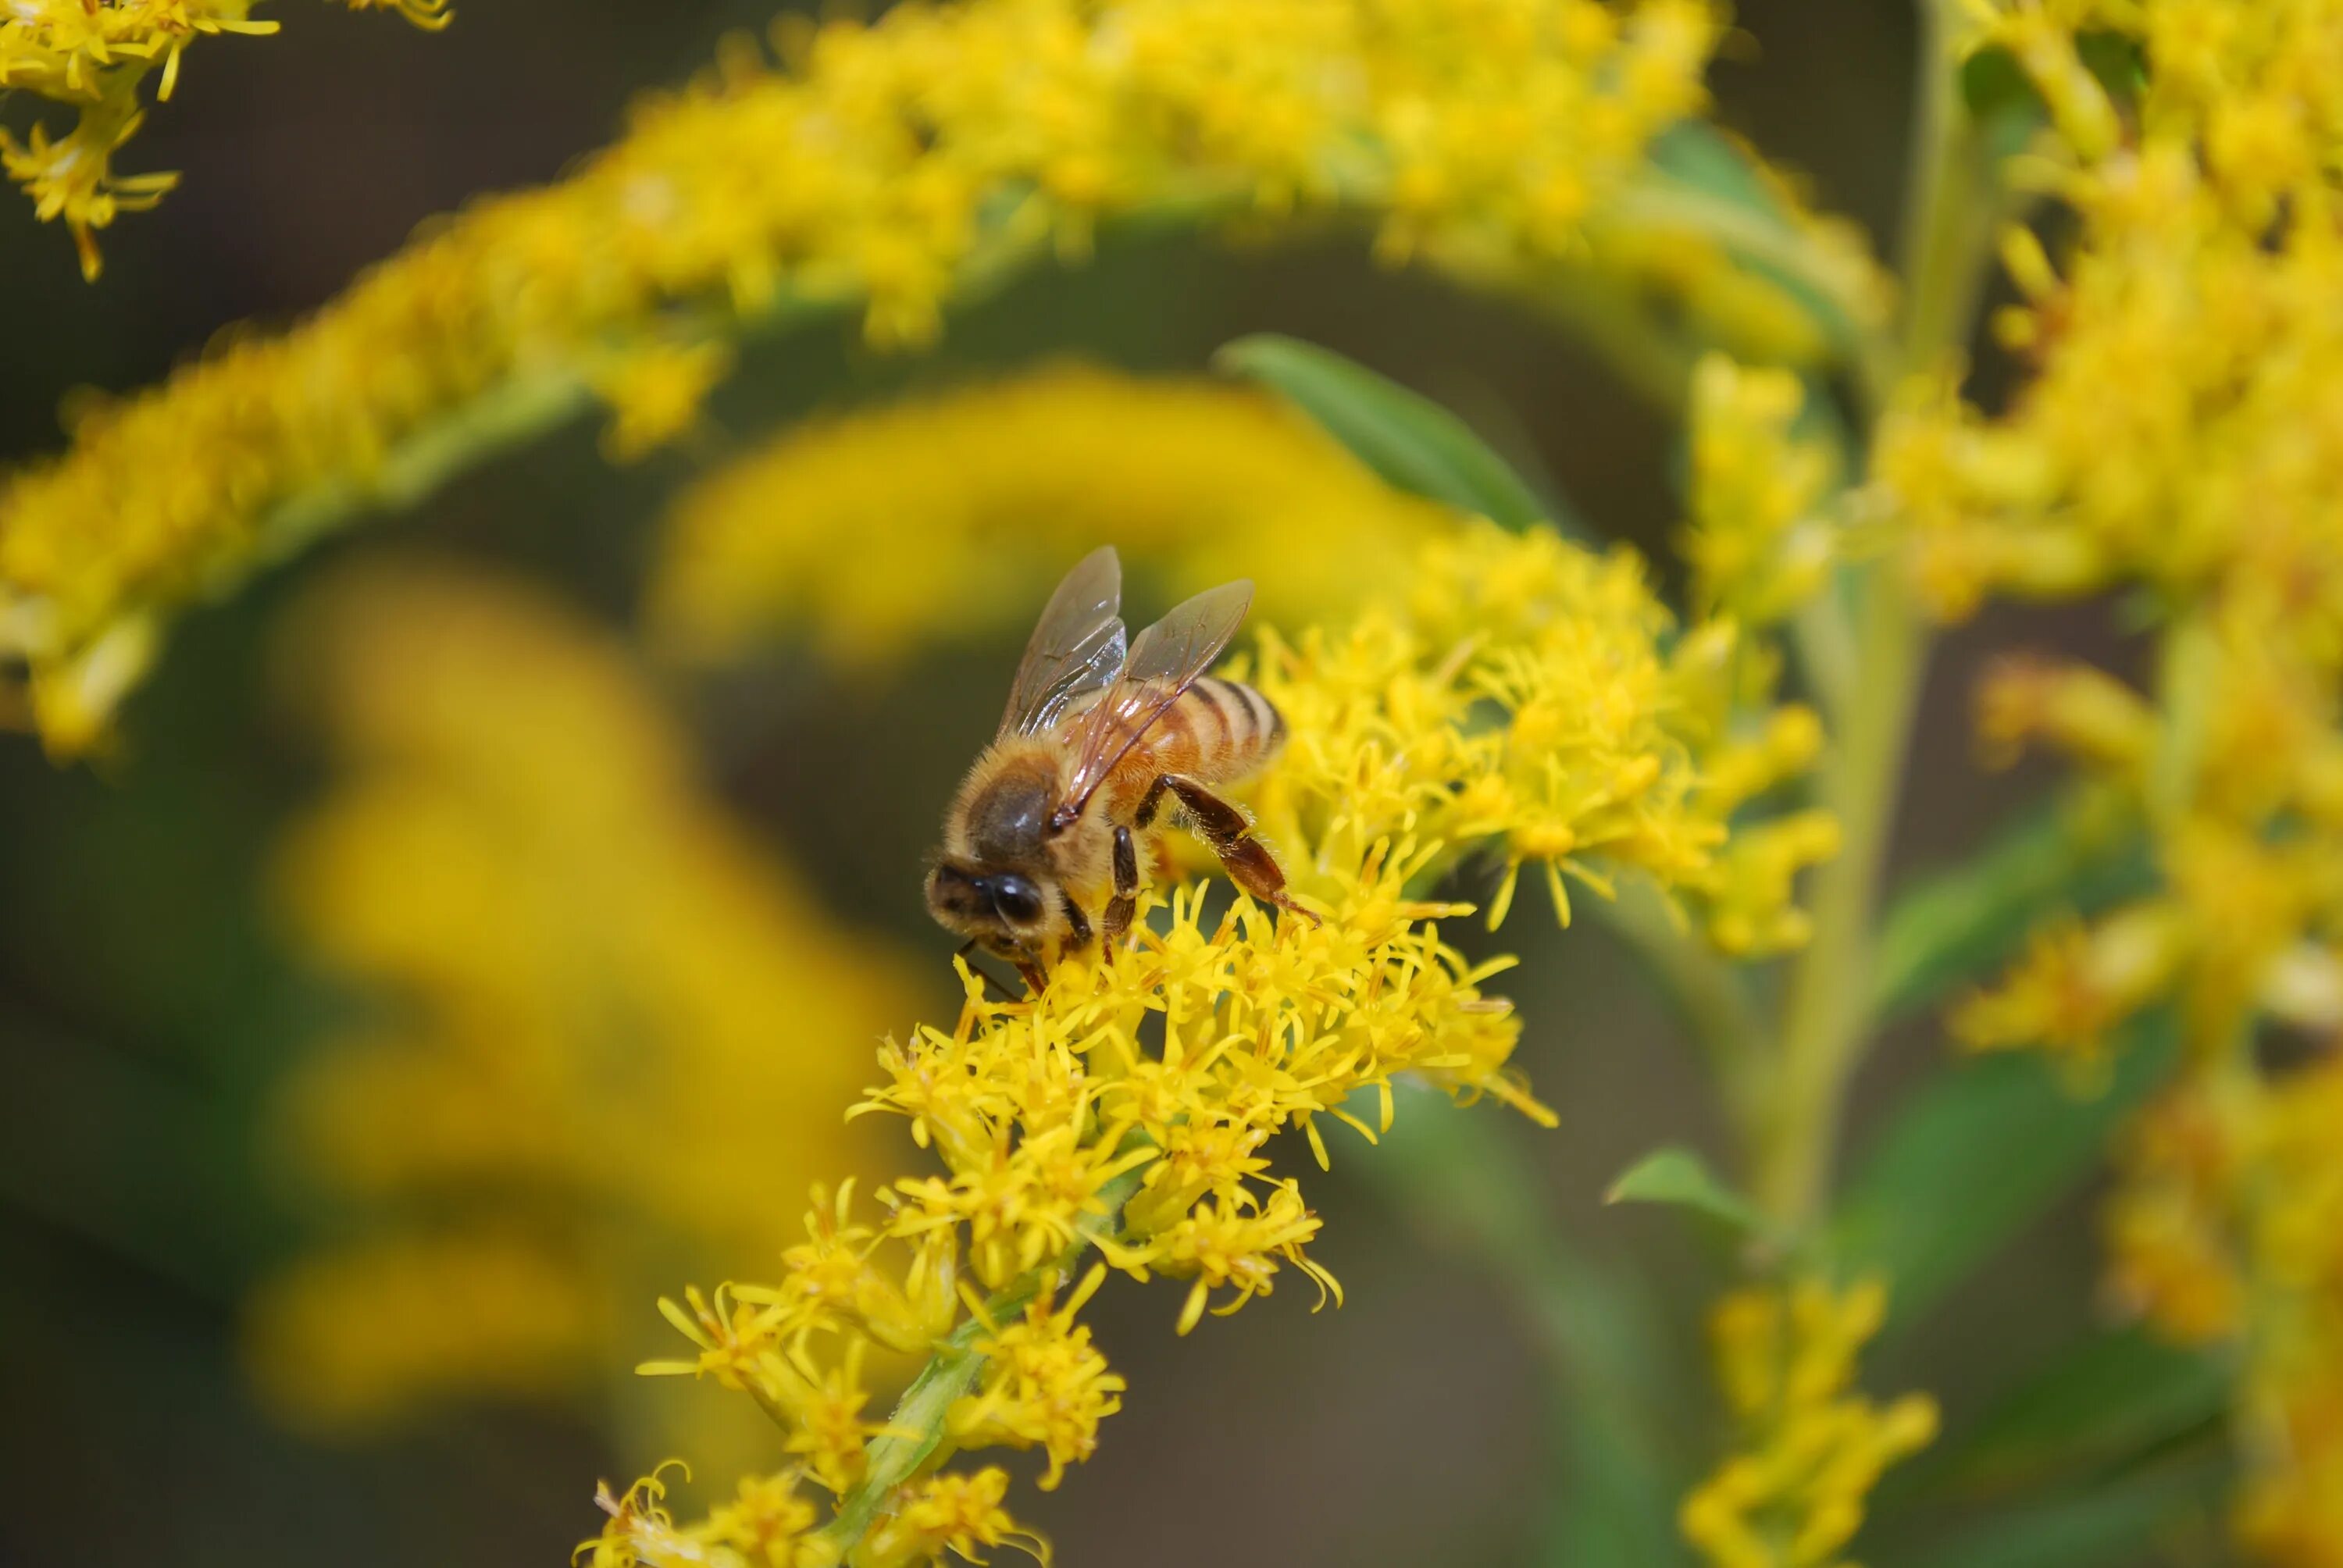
<point x="1828" y="1014"/>
<point x="915" y="1430"/>
<point x="1949" y="225"/>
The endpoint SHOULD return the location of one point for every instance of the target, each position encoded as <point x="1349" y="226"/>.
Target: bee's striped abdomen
<point x="1234" y="729"/>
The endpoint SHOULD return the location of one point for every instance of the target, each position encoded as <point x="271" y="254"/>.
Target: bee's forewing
<point x="1164" y="662"/>
<point x="1077" y="648"/>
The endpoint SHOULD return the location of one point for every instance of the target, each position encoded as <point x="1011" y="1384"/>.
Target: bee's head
<point x="1006" y="912"/>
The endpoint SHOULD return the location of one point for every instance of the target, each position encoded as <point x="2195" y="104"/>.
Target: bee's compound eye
<point x="950" y="888"/>
<point x="1016" y="899"/>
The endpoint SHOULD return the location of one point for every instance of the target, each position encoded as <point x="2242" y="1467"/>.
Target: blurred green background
<point x="148" y="1004"/>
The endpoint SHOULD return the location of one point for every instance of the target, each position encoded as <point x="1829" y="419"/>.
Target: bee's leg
<point x="1125" y="902"/>
<point x="1248" y="863"/>
<point x="1036" y="978"/>
<point x="1145" y="817"/>
<point x="1078" y="924"/>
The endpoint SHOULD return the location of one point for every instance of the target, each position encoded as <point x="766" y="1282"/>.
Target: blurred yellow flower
<point x="888" y="167"/>
<point x="2178" y="439"/>
<point x="2076" y="985"/>
<point x="2226" y="1228"/>
<point x="595" y="1041"/>
<point x="979" y="497"/>
<point x="1810" y="1446"/>
<point x="1514" y="698"/>
<point x="2181" y="349"/>
<point x="93" y="56"/>
<point x="655" y="392"/>
<point x="1761" y="543"/>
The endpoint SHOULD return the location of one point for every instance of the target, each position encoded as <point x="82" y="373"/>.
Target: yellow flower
<point x="1810" y="1447"/>
<point x="641" y="1531"/>
<point x="978" y="494"/>
<point x="1611" y="756"/>
<point x="66" y="182"/>
<point x="1235" y="1240"/>
<point x="91" y="55"/>
<point x="588" y="957"/>
<point x="654" y="392"/>
<point x="887" y="168"/>
<point x="1044" y="1385"/>
<point x="1760" y="544"/>
<point x="765" y="1525"/>
<point x="2176" y="441"/>
<point x="2088" y="715"/>
<point x="2224" y="1229"/>
<point x="1513" y="699"/>
<point x="2077" y="983"/>
<point x="948" y="1512"/>
<point x="2175" y="1258"/>
<point x="485" y="1308"/>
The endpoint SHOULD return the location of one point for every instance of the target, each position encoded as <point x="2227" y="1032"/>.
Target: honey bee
<point x="1100" y="730"/>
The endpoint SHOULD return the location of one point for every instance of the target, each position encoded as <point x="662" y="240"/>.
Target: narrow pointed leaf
<point x="1976" y="1153"/>
<point x="2112" y="1397"/>
<point x="1413" y="443"/>
<point x="2113" y="1525"/>
<point x="1677" y="1175"/>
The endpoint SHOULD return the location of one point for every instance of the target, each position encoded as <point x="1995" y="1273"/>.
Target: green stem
<point x="1954" y="209"/>
<point x="1949" y="225"/>
<point x="1825" y="1031"/>
<point x="1672" y="206"/>
<point x="916" y="1429"/>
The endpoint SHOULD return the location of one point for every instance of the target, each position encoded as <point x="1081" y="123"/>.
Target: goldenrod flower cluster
<point x="978" y="497"/>
<point x="1761" y="542"/>
<point x="2224" y="1229"/>
<point x="1617" y="750"/>
<point x="768" y="1525"/>
<point x="576" y="962"/>
<point x="1812" y="1445"/>
<point x="888" y="167"/>
<point x="94" y="56"/>
<point x="2179" y="344"/>
<point x="2177" y="440"/>
<point x="1516" y="700"/>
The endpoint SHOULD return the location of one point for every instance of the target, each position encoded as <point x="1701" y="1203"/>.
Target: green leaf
<point x="2108" y="1525"/>
<point x="2114" y="1396"/>
<point x="1975" y="1154"/>
<point x="1674" y="1174"/>
<point x="1613" y="1510"/>
<point x="1700" y="155"/>
<point x="1700" y="179"/>
<point x="1414" y="444"/>
<point x="2118" y="60"/>
<point x="1963" y="922"/>
<point x="1993" y="85"/>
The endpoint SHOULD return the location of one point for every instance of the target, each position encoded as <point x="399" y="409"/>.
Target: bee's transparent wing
<point x="1163" y="663"/>
<point x="1077" y="648"/>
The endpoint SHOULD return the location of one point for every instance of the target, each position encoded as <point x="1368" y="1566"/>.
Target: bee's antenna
<point x="993" y="982"/>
